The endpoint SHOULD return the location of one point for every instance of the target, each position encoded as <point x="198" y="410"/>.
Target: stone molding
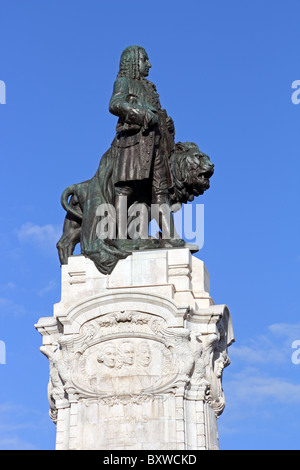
<point x="142" y="356"/>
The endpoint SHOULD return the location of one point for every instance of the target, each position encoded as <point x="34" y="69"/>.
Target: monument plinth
<point x="136" y="357"/>
<point x="136" y="346"/>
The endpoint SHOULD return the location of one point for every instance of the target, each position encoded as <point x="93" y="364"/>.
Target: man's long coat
<point x="134" y="102"/>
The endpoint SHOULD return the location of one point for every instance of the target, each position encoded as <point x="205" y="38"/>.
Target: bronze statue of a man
<point x="144" y="139"/>
<point x="143" y="167"/>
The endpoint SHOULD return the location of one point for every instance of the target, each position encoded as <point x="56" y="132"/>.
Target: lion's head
<point x="191" y="170"/>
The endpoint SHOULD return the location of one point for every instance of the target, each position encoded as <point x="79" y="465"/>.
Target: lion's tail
<point x="70" y="191"/>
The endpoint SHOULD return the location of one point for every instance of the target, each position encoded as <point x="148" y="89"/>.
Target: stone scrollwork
<point x="215" y="359"/>
<point x="58" y="376"/>
<point x="131" y="356"/>
<point x="127" y="356"/>
<point x="210" y="359"/>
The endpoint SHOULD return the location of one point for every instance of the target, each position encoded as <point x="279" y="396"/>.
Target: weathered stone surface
<point x="136" y="357"/>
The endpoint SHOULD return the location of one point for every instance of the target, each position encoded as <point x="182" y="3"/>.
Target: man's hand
<point x="170" y="125"/>
<point x="151" y="119"/>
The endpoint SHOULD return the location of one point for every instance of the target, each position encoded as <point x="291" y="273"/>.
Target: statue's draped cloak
<point x="104" y="253"/>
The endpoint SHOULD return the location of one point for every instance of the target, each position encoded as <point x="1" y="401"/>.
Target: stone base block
<point x="136" y="357"/>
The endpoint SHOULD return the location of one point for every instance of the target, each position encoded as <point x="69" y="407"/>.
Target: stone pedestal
<point x="136" y="357"/>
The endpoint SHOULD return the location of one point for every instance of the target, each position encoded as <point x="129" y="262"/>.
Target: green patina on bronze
<point x="143" y="163"/>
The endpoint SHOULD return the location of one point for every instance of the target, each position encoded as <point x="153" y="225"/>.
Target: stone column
<point x="136" y="357"/>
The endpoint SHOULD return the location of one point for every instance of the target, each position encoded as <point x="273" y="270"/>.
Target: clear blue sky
<point x="224" y="72"/>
